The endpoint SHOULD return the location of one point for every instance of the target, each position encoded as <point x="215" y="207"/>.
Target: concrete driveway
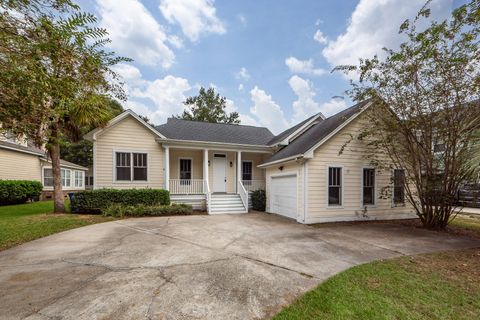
<point x="196" y="267"/>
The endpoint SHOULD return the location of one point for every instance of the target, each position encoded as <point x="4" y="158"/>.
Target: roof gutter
<point x="272" y="163"/>
<point x="234" y="146"/>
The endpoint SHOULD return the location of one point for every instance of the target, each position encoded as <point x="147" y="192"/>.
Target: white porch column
<point x="239" y="168"/>
<point x="167" y="168"/>
<point x="205" y="168"/>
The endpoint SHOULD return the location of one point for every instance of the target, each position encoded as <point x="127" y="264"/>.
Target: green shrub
<point x="119" y="210"/>
<point x="19" y="191"/>
<point x="95" y="201"/>
<point x="259" y="200"/>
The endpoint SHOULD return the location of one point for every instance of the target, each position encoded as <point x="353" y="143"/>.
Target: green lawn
<point x="26" y="222"/>
<point x="432" y="286"/>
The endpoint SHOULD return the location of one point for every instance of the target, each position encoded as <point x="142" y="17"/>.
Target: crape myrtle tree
<point x="55" y="75"/>
<point x="425" y="114"/>
<point x="208" y="106"/>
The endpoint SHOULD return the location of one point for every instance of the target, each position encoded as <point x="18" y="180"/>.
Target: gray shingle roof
<point x="280" y="137"/>
<point x="18" y="147"/>
<point x="315" y="134"/>
<point x="179" y="129"/>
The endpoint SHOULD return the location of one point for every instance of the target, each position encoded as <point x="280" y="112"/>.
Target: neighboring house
<point x="215" y="166"/>
<point x="20" y="161"/>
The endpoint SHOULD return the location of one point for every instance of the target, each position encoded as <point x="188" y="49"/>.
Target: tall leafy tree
<point x="426" y="117"/>
<point x="208" y="106"/>
<point x="79" y="150"/>
<point x="55" y="75"/>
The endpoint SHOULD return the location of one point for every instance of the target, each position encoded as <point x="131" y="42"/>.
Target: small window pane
<point x="368" y="186"/>
<point x="334" y="186"/>
<point x="246" y="171"/>
<point x="140" y="166"/>
<point x="66" y="177"/>
<point x="123" y="174"/>
<point x="185" y="171"/>
<point x="123" y="166"/>
<point x="398" y="186"/>
<point x="48" y="177"/>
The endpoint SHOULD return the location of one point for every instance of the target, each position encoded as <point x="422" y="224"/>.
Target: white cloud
<point x="320" y="37"/>
<point x="242" y="74"/>
<point x="373" y="25"/>
<point x="134" y="32"/>
<point x="303" y="66"/>
<point x="195" y="17"/>
<point x="333" y="106"/>
<point x="305" y="106"/>
<point x="240" y="87"/>
<point x="167" y="94"/>
<point x="267" y="111"/>
<point x="244" y="118"/>
<point x="242" y="19"/>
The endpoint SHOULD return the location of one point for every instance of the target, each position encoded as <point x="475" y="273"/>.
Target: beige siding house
<point x="215" y="167"/>
<point x="20" y="161"/>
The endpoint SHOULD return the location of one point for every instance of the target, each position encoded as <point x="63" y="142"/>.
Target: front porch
<point x="218" y="181"/>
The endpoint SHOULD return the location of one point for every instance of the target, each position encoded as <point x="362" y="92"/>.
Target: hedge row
<point x="19" y="191"/>
<point x="118" y="210"/>
<point x="96" y="201"/>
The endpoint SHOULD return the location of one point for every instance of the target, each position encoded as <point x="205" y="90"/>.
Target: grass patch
<point x="30" y="221"/>
<point x="467" y="225"/>
<point x="432" y="286"/>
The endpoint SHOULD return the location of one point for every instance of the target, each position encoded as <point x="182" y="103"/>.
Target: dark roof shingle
<point x="315" y="134"/>
<point x="179" y="129"/>
<point x="21" y="148"/>
<point x="283" y="135"/>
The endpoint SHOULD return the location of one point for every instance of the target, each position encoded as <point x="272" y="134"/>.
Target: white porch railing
<point x="243" y="194"/>
<point x="252" y="185"/>
<point x="187" y="186"/>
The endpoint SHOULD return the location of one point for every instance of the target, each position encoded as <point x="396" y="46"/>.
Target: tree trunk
<point x="54" y="151"/>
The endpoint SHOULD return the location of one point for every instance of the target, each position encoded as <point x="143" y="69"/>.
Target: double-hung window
<point x="185" y="171"/>
<point x="368" y="186"/>
<point x="140" y="166"/>
<point x="78" y="179"/>
<point x="398" y="187"/>
<point x="247" y="172"/>
<point x="131" y="166"/>
<point x="334" y="186"/>
<point x="66" y="176"/>
<point x="48" y="177"/>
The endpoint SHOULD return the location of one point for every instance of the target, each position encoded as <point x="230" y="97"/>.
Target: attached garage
<point x="283" y="195"/>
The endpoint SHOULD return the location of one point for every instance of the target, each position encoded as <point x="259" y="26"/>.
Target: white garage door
<point x="284" y="196"/>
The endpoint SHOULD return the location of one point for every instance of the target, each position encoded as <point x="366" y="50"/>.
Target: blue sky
<point x="271" y="59"/>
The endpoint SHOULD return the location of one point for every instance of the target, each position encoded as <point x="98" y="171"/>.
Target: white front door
<point x="219" y="173"/>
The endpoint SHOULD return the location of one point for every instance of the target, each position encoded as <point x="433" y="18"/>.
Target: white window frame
<point x="81" y="179"/>
<point x="251" y="162"/>
<point x="133" y="166"/>
<point x="180" y="168"/>
<point x="43" y="176"/>
<point x="393" y="189"/>
<point x="374" y="187"/>
<point x="69" y="177"/>
<point x="114" y="166"/>
<point x="342" y="187"/>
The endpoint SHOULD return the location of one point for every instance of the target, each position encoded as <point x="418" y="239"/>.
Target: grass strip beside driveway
<point x="30" y="221"/>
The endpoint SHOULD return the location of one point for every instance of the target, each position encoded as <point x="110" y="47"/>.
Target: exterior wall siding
<point x="130" y="136"/>
<point x="19" y="166"/>
<point x="352" y="161"/>
<point x="197" y="162"/>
